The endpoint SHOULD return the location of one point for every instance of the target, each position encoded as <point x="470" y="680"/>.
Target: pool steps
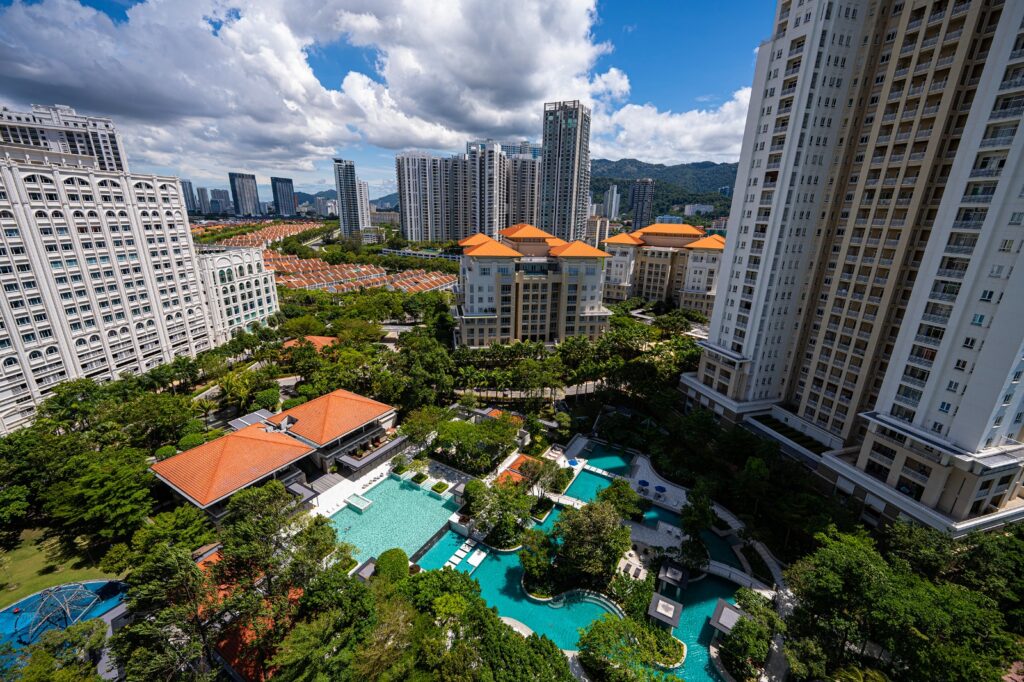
<point x="359" y="502"/>
<point x="461" y="553"/>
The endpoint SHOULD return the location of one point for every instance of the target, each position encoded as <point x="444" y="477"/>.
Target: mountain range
<point x="384" y="201"/>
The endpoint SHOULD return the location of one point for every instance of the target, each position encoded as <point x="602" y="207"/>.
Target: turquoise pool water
<point x="587" y="485"/>
<point x="402" y="515"/>
<point x="17" y="620"/>
<point x="549" y="522"/>
<point x="719" y="547"/>
<point x="604" y="457"/>
<point x="500" y="577"/>
<point x="699" y="601"/>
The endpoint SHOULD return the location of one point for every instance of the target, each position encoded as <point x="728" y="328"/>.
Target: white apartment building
<point x="240" y="292"/>
<point x="877" y="321"/>
<point x="98" y="275"/>
<point x="363" y="199"/>
<point x="523" y="190"/>
<point x="59" y="128"/>
<point x="530" y="286"/>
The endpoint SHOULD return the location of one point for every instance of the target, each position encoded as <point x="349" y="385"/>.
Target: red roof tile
<point x="331" y="416"/>
<point x="215" y="470"/>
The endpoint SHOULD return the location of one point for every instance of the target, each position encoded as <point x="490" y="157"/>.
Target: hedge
<point x="165" y="452"/>
<point x="419" y="478"/>
<point x="392" y="565"/>
<point x="191" y="440"/>
<point x="439" y="487"/>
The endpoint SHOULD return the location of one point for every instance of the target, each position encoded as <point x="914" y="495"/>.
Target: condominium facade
<point x="523" y="189"/>
<point x="60" y="128"/>
<point x="220" y="202"/>
<point x="98" y="273"/>
<point x="203" y="200"/>
<point x="348" y="196"/>
<point x="664" y="262"/>
<point x="283" y="190"/>
<point x="240" y="291"/>
<point x="245" y="196"/>
<point x="565" y="169"/>
<point x="865" y="303"/>
<point x="450" y="198"/>
<point x="529" y="286"/>
<point x="641" y="202"/>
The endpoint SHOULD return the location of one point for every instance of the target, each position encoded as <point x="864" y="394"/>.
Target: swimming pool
<point x="699" y="601"/>
<point x="17" y="621"/>
<point x="402" y="515"/>
<point x="586" y="486"/>
<point x="608" y="459"/>
<point x="500" y="577"/>
<point x="719" y="548"/>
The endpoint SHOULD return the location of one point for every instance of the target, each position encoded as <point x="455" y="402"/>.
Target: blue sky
<point x="200" y="87"/>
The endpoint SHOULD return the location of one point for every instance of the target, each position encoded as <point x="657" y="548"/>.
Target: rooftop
<point x="577" y="250"/>
<point x="674" y="229"/>
<point x="215" y="470"/>
<point x="475" y="240"/>
<point x="624" y="238"/>
<point x="715" y="242"/>
<point x="492" y="249"/>
<point x="526" y="231"/>
<point x="331" y="416"/>
<point x="319" y="342"/>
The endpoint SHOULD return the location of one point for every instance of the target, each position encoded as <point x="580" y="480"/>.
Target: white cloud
<point x="204" y="86"/>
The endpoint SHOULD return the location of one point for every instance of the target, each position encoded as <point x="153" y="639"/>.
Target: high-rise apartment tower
<point x="565" y="169"/>
<point x="244" y="195"/>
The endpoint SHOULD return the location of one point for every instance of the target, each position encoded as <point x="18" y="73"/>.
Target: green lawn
<point x="27" y="570"/>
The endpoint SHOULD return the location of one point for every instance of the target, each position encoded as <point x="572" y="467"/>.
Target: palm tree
<point x="204" y="406"/>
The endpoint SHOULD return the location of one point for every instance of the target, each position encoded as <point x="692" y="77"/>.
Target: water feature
<point x="402" y="514"/>
<point x="29" y="618"/>
<point x="608" y="459"/>
<point x="586" y="486"/>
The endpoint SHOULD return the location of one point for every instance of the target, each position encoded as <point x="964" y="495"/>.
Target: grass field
<point x="26" y="569"/>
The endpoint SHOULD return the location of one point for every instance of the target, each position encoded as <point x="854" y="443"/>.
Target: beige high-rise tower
<point x="875" y="226"/>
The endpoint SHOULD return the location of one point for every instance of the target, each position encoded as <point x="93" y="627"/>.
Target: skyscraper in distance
<point x="223" y="199"/>
<point x="641" y="202"/>
<point x="190" y="196"/>
<point x="565" y="178"/>
<point x="523" y="189"/>
<point x="203" y="196"/>
<point x="363" y="192"/>
<point x="244" y="194"/>
<point x="283" y="190"/>
<point x="610" y="208"/>
<point x="869" y="273"/>
<point x="348" y="196"/>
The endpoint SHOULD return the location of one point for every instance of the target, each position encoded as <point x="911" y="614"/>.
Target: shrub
<point x="165" y="452"/>
<point x="193" y="426"/>
<point x="293" y="402"/>
<point x="392" y="565"/>
<point x="439" y="487"/>
<point x="191" y="440"/>
<point x="213" y="434"/>
<point x="562" y="480"/>
<point x="268" y="398"/>
<point x="475" y="495"/>
<point x="419" y="478"/>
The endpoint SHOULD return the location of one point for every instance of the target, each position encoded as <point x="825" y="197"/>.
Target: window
<point x="1017" y="218"/>
<point x="969" y="342"/>
<point x="944" y="407"/>
<point x="986" y="295"/>
<point x="1006" y="246"/>
<point x="960" y="365"/>
<point x="977" y="320"/>
<point x="952" y="386"/>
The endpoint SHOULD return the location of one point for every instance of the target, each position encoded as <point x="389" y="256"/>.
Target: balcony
<point x="998" y="141"/>
<point x="1012" y="84"/>
<point x="951" y="273"/>
<point x="976" y="199"/>
<point x="971" y="224"/>
<point x="1007" y="112"/>
<point x="928" y="340"/>
<point x="935" y="319"/>
<point x="920" y="361"/>
<point x="986" y="172"/>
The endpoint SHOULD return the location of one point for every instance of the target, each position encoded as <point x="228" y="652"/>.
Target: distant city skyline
<point x="319" y="84"/>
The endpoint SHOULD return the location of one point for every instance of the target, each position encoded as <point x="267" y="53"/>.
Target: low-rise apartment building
<point x="664" y="262"/>
<point x="529" y="286"/>
<point x="240" y="291"/>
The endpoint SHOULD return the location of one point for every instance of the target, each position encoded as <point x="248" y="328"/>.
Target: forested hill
<point x="699" y="177"/>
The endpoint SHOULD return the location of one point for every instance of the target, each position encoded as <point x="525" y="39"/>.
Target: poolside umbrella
<point x="660" y="488"/>
<point x="643" y="483"/>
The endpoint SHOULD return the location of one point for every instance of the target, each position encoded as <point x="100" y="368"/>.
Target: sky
<point x="280" y="87"/>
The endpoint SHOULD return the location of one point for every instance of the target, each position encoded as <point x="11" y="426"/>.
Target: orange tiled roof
<point x="509" y="476"/>
<point x="495" y="412"/>
<point x="555" y="241"/>
<point x="526" y="231"/>
<point x="493" y="249"/>
<point x="715" y="242"/>
<point x="319" y="342"/>
<point x="520" y="461"/>
<point x="674" y="229"/>
<point x="475" y="240"/>
<point x="215" y="470"/>
<point x="624" y="238"/>
<point x="577" y="249"/>
<point x="331" y="416"/>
